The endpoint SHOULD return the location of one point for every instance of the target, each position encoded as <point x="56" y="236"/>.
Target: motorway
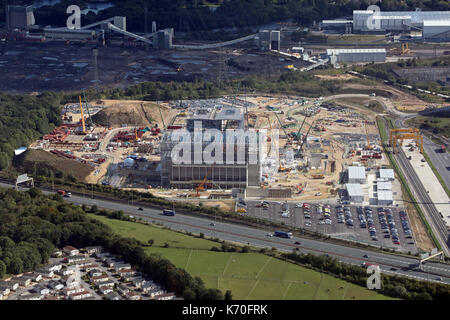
<point x="441" y="160"/>
<point x="390" y="264"/>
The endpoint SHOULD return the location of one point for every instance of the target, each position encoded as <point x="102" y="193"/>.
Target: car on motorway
<point x="140" y="209"/>
<point x="365" y="256"/>
<point x="393" y="269"/>
<point x="212" y="224"/>
<point x="269" y="235"/>
<point x="296" y="242"/>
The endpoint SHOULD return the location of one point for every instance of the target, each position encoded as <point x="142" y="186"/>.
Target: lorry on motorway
<point x="168" y="212"/>
<point x="282" y="234"/>
<point x="64" y="193"/>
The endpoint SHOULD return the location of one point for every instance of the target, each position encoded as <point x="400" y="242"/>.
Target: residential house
<point x="105" y="289"/>
<point x="33" y="276"/>
<point x="80" y="295"/>
<point x="32" y="296"/>
<point x="138" y="282"/>
<point x="67" y="271"/>
<point x="71" y="251"/>
<point x="132" y="296"/>
<point x="11" y="285"/>
<point x="71" y="291"/>
<point x="155" y="292"/>
<point x="23" y="281"/>
<point x="69" y="281"/>
<point x="57" y="253"/>
<point x="113" y="296"/>
<point x="4" y="290"/>
<point x="122" y="266"/>
<point x="45" y="272"/>
<point x="40" y="289"/>
<point x="165" y="296"/>
<point x="99" y="279"/>
<point x="94" y="249"/>
<point x="123" y="289"/>
<point x="79" y="259"/>
<point x="95" y="273"/>
<point x="108" y="283"/>
<point x="110" y="263"/>
<point x="148" y="286"/>
<point x="127" y="273"/>
<point x="55" y="285"/>
<point x="90" y="267"/>
<point x="55" y="267"/>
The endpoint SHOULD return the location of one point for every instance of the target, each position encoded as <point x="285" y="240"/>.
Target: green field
<point x="247" y="275"/>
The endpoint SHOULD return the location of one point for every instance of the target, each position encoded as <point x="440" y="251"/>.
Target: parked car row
<point x="405" y="224"/>
<point x="306" y="212"/>
<point x="370" y="223"/>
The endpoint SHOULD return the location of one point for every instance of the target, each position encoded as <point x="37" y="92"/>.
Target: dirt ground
<point x="402" y="100"/>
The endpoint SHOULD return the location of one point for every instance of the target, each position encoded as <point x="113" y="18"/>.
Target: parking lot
<point x="381" y="226"/>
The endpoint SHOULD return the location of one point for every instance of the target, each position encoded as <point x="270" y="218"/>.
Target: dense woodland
<point x="33" y="225"/>
<point x="201" y="15"/>
<point x="23" y="119"/>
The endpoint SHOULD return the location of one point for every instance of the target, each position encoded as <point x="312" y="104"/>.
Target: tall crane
<point x="87" y="107"/>
<point x="368" y="146"/>
<point x="304" y="139"/>
<point x="297" y="137"/>
<point x="82" y="117"/>
<point x="284" y="130"/>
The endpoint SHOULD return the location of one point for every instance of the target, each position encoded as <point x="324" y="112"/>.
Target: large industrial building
<point x="355" y="192"/>
<point x="221" y="174"/>
<point x="434" y="25"/>
<point x="356" y="174"/>
<point x="356" y="55"/>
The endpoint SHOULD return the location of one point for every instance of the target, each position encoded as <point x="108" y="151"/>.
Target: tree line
<point x="200" y="15"/>
<point x="32" y="225"/>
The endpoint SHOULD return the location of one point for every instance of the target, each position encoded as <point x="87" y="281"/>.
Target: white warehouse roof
<point x="384" y="185"/>
<point x="356" y="172"/>
<point x="385" y="195"/>
<point x="436" y="23"/>
<point x="354" y="190"/>
<point x="331" y="52"/>
<point x="387" y="173"/>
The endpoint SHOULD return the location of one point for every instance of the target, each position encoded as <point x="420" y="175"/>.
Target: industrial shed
<point x="355" y="192"/>
<point x="356" y="175"/>
<point x="385" y="198"/>
<point x="356" y="55"/>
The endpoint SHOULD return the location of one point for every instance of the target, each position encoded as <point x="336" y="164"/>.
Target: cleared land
<point x="38" y="159"/>
<point x="247" y="275"/>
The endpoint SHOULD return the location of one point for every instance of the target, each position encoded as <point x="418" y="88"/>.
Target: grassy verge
<point x="384" y="138"/>
<point x="250" y="275"/>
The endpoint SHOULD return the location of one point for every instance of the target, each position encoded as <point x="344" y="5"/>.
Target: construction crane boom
<point x="304" y="139"/>
<point x="300" y="129"/>
<point x="82" y="116"/>
<point x="87" y="107"/>
<point x="282" y="128"/>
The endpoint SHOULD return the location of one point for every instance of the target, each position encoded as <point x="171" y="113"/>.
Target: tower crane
<point x="82" y="117"/>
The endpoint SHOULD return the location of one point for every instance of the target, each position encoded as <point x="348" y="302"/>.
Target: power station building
<point x="20" y="17"/>
<point x="355" y="55"/>
<point x="242" y="171"/>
